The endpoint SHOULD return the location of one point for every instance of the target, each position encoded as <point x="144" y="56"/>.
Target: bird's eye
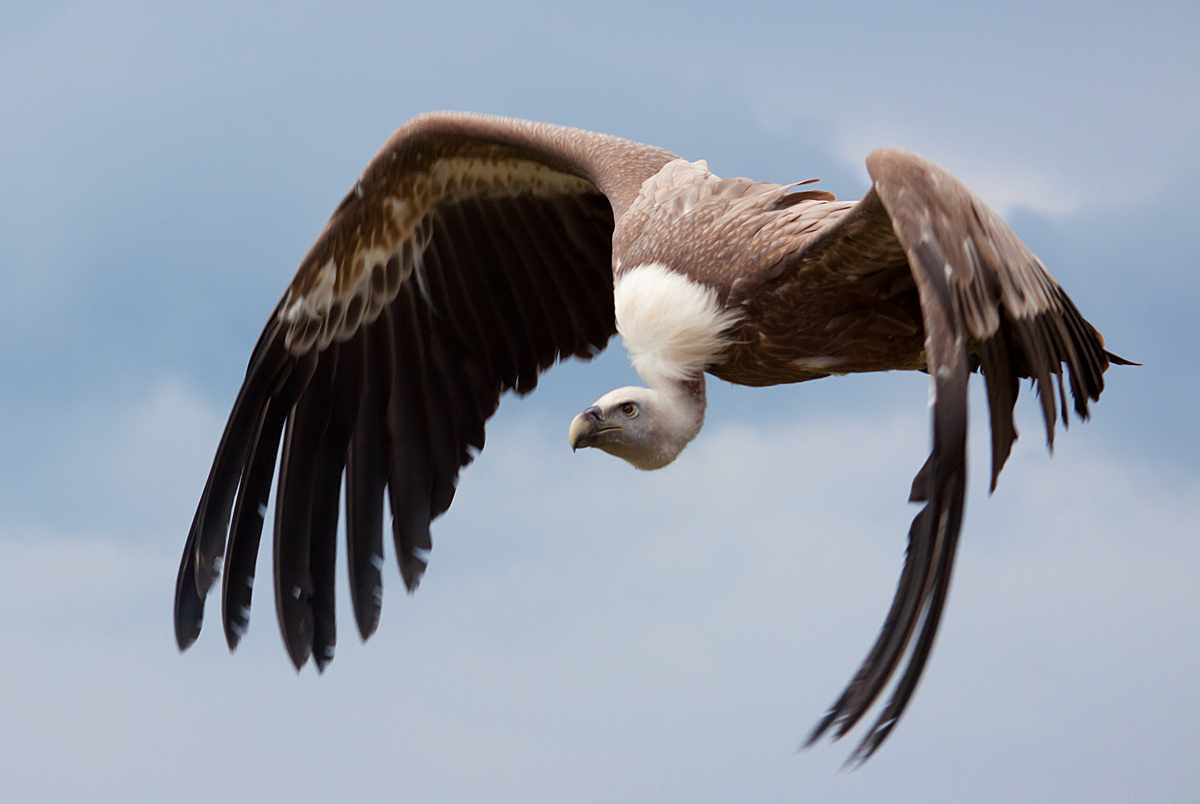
<point x="628" y="409"/>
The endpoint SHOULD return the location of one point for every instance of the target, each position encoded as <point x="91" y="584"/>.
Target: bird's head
<point x="642" y="426"/>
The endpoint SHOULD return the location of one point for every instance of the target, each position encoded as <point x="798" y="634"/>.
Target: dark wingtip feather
<point x="189" y="604"/>
<point x="293" y="582"/>
<point x="823" y="726"/>
<point x="295" y="620"/>
<point x="920" y="484"/>
<point x="412" y="567"/>
<point x="246" y="530"/>
<point x="1119" y="361"/>
<point x="323" y="657"/>
<point x="366" y="480"/>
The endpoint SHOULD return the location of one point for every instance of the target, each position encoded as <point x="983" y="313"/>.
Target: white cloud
<point x="1006" y="182"/>
<point x="113" y="460"/>
<point x="591" y="633"/>
<point x="1054" y="117"/>
<point x="151" y="456"/>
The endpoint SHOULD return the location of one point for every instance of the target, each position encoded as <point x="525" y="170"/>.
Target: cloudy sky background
<point x="587" y="633"/>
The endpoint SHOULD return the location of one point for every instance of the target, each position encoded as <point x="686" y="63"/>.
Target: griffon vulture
<point x="475" y="252"/>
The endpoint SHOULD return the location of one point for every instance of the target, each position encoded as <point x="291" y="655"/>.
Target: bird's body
<point x="789" y="322"/>
<point x="475" y="251"/>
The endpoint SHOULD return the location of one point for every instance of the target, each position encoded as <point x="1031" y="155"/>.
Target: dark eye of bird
<point x="628" y="408"/>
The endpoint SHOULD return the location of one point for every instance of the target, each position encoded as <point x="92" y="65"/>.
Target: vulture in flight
<point x="476" y="251"/>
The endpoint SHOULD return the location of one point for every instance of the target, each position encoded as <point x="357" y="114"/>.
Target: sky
<point x="585" y="632"/>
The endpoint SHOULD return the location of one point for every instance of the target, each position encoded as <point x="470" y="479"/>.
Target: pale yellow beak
<point x="586" y="427"/>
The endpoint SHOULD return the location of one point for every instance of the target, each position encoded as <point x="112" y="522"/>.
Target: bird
<point x="475" y="252"/>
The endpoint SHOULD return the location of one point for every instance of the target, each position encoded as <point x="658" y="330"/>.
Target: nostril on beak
<point x="595" y="412"/>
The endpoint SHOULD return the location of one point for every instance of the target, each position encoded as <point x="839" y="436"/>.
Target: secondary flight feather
<point x="476" y="251"/>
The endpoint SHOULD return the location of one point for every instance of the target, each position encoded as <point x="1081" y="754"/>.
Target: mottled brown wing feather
<point x="473" y="253"/>
<point x="985" y="297"/>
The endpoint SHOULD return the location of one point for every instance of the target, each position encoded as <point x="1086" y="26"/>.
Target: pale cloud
<point x="591" y="633"/>
<point x="1064" y="115"/>
<point x="115" y="460"/>
<point x="1006" y="183"/>
<point x="153" y="452"/>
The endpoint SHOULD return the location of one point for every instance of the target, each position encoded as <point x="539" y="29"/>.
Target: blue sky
<point x="585" y="632"/>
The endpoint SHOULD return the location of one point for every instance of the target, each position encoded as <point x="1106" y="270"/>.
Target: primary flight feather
<point x="476" y="251"/>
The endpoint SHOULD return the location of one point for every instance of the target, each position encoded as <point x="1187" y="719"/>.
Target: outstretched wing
<point x="472" y="254"/>
<point x="985" y="300"/>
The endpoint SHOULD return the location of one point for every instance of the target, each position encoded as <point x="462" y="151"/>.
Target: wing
<point x="985" y="300"/>
<point x="472" y="254"/>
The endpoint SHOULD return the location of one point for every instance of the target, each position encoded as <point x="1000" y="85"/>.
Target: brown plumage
<point x="475" y="252"/>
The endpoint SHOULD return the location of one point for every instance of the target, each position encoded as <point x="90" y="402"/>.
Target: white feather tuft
<point x="671" y="326"/>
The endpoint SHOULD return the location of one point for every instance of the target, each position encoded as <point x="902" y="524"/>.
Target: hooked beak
<point x="587" y="427"/>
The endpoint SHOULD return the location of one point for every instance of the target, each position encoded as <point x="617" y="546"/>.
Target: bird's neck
<point x="684" y="403"/>
<point x="693" y="394"/>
